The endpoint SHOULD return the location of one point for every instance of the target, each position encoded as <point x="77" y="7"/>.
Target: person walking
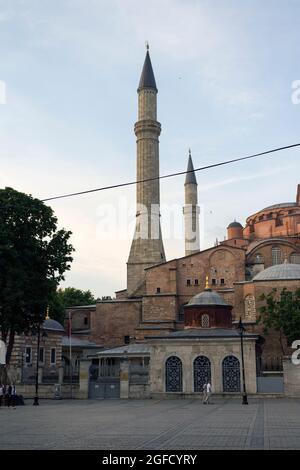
<point x="11" y="396"/>
<point x="208" y="393"/>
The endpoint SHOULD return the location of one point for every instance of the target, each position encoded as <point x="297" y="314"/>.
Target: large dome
<point x="279" y="272"/>
<point x="207" y="297"/>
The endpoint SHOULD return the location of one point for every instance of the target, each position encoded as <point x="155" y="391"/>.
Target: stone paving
<point x="152" y="424"/>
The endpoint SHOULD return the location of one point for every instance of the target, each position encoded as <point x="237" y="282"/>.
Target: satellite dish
<point x="2" y="353"/>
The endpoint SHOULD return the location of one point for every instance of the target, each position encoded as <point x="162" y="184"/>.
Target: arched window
<point x="205" y="321"/>
<point x="258" y="258"/>
<point x="276" y="255"/>
<point x="295" y="258"/>
<point x="202" y="372"/>
<point x="231" y="374"/>
<point x="250" y="311"/>
<point x="173" y="374"/>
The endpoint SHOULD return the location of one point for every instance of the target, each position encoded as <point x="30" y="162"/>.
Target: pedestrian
<point x="208" y="392"/>
<point x="13" y="396"/>
<point x="1" y="394"/>
<point x="204" y="389"/>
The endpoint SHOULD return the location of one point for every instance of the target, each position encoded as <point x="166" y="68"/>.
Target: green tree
<point x="34" y="255"/>
<point x="68" y="297"/>
<point x="282" y="313"/>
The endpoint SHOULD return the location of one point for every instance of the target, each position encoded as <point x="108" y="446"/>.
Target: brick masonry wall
<point x="78" y="316"/>
<point x="287" y="248"/>
<point x="264" y="223"/>
<point x="218" y="263"/>
<point x="28" y="370"/>
<point x="159" y="307"/>
<point x="113" y="320"/>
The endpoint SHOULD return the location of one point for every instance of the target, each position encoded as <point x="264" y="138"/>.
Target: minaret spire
<point x="147" y="79"/>
<point x="147" y="246"/>
<point x="191" y="210"/>
<point x="190" y="176"/>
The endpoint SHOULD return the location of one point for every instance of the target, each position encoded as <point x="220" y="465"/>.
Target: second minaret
<point x="191" y="211"/>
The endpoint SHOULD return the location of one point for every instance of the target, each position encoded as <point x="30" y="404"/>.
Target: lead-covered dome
<point x="235" y="224"/>
<point x="53" y="325"/>
<point x="279" y="272"/>
<point x="207" y="297"/>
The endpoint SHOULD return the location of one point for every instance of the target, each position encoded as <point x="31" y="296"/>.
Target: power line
<point x="227" y="162"/>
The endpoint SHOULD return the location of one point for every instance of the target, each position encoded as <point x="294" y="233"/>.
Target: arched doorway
<point x="202" y="372"/>
<point x="173" y="374"/>
<point x="231" y="374"/>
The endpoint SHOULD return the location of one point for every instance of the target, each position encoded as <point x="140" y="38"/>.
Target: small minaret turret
<point x="191" y="211"/>
<point x="147" y="246"/>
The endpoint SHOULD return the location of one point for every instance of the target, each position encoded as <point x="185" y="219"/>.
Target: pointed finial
<point x="206" y="283"/>
<point x="147" y="79"/>
<point x="190" y="175"/>
<point x="47" y="313"/>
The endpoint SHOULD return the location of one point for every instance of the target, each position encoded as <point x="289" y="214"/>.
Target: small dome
<point x="207" y="297"/>
<point x="52" y="325"/>
<point x="235" y="224"/>
<point x="279" y="272"/>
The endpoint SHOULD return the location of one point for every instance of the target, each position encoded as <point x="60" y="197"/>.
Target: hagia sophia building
<point x="177" y="319"/>
<point x="263" y="254"/>
<point x="174" y="326"/>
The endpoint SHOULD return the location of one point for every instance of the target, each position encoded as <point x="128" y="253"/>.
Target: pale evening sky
<point x="224" y="72"/>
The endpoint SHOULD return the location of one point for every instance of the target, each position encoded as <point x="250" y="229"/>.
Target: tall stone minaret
<point x="191" y="211"/>
<point x="147" y="246"/>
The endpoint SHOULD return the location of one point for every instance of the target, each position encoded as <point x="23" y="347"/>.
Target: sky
<point x="227" y="72"/>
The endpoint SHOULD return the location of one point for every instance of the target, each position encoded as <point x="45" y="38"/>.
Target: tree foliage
<point x="282" y="313"/>
<point x="69" y="297"/>
<point x="34" y="256"/>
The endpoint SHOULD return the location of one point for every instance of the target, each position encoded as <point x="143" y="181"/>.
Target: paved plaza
<point x="152" y="424"/>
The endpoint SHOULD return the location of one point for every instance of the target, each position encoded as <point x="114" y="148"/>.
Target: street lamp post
<point x="242" y="329"/>
<point x="70" y="353"/>
<point x="36" y="398"/>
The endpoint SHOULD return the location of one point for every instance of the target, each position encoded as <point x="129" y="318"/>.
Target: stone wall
<point x="47" y="391"/>
<point x="187" y="351"/>
<point x="291" y="376"/>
